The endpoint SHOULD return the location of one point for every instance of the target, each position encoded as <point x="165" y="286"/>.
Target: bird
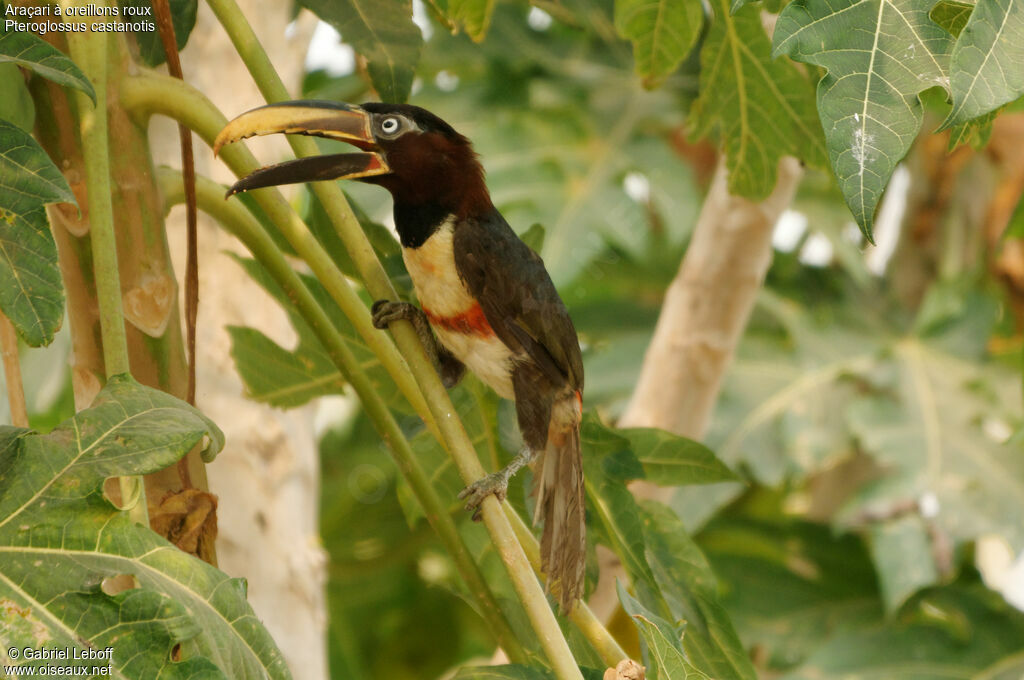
<point x="486" y="300"/>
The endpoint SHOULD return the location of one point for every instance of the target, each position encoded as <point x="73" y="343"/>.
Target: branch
<point x="233" y="217"/>
<point x="89" y="51"/>
<point x="12" y="372"/>
<point x="707" y="307"/>
<point x="453" y="434"/>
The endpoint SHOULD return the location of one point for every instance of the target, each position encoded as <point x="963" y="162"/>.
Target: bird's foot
<point x="495" y="483"/>
<point x="386" y="312"/>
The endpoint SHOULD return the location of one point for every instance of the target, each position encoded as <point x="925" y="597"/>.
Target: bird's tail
<point x="560" y="504"/>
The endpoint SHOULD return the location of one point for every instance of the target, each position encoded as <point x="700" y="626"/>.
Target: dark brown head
<point x="419" y="158"/>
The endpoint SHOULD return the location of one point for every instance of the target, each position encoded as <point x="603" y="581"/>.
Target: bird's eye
<point x="389" y="125"/>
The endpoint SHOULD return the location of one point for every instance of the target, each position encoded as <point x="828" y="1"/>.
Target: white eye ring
<point x="389" y="125"/>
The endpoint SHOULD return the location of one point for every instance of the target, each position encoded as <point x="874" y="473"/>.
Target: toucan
<point x="486" y="300"/>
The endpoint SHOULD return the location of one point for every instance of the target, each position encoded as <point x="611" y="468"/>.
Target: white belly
<point x="454" y="313"/>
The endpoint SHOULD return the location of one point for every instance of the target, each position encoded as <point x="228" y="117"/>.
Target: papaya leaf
<point x="382" y="31"/>
<point x="79" y="574"/>
<point x="985" y="69"/>
<point x="151" y="49"/>
<point x="761" y="109"/>
<point x="879" y="55"/>
<point x="951" y="15"/>
<point x="28" y="177"/>
<point x="672" y="460"/>
<point x="662" y="32"/>
<point x="474" y="15"/>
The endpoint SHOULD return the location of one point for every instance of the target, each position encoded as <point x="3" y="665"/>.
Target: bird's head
<point x="408" y="150"/>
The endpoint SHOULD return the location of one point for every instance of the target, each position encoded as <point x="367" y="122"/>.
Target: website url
<point x="56" y="671"/>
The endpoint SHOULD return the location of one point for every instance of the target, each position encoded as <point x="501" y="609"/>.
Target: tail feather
<point x="560" y="504"/>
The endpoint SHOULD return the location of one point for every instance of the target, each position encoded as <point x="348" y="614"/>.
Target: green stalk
<point x="233" y="216"/>
<point x="607" y="646"/>
<point x="89" y="51"/>
<point x="379" y="286"/>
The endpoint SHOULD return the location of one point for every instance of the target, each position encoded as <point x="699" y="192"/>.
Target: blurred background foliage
<point x="873" y="411"/>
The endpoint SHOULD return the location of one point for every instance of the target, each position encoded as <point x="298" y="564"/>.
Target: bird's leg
<point x="495" y="483"/>
<point x="385" y="312"/>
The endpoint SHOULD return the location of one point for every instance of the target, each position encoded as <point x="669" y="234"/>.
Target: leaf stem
<point x="12" y="372"/>
<point x="375" y="279"/>
<point x="584" y="619"/>
<point x="89" y="50"/>
<point x="233" y="216"/>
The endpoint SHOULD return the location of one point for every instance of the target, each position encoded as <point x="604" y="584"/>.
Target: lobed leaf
<point x="382" y="31"/>
<point x="879" y="55"/>
<point x="662" y="32"/>
<point x="672" y="460"/>
<point x="761" y="109"/>
<point x="985" y="69"/>
<point x="62" y="542"/>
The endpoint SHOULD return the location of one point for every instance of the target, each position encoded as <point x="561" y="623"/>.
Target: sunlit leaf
<point x="384" y="33"/>
<point x="985" y="70"/>
<point x="868" y="101"/>
<point x="474" y="15"/>
<point x="760" y="108"/>
<point x="61" y="541"/>
<point x="662" y="32"/>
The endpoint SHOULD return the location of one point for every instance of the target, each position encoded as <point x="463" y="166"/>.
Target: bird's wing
<point x="517" y="297"/>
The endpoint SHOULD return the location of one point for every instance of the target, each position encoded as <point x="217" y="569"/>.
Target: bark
<point x="707" y="306"/>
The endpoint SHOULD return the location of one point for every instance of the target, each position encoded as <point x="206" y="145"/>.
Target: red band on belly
<point x="471" y="321"/>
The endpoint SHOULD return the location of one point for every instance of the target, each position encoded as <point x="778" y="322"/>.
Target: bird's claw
<point x="495" y="483"/>
<point x="385" y="312"/>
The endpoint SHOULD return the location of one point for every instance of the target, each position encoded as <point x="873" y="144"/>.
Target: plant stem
<point x="379" y="286"/>
<point x="233" y="216"/>
<point x="581" y="615"/>
<point x="12" y="372"/>
<point x="89" y="51"/>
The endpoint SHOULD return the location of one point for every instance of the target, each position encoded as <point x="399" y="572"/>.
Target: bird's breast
<point x="454" y="313"/>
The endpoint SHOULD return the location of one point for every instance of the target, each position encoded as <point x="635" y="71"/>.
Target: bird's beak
<point x="332" y="120"/>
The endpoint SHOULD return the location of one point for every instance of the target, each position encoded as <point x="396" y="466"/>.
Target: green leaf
<point x="879" y="54"/>
<point x="985" y="70"/>
<point x="384" y="33"/>
<point x="963" y="632"/>
<point x="151" y="47"/>
<point x="1015" y="228"/>
<point x="761" y="109"/>
<point x="16" y="105"/>
<point x="31" y="291"/>
<point x="534" y="237"/>
<point x="656" y="627"/>
<point x="27" y="175"/>
<point x="669" y="659"/>
<point x="662" y="33"/>
<point x="307" y="371"/>
<point x="616" y="516"/>
<point x="690" y="589"/>
<point x="671" y="460"/>
<point x="930" y="430"/>
<point x="901" y="550"/>
<point x="30" y="51"/>
<point x="61" y="540"/>
<point x="951" y="15"/>
<point x="280" y="377"/>
<point x="790" y="585"/>
<point x="474" y="15"/>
